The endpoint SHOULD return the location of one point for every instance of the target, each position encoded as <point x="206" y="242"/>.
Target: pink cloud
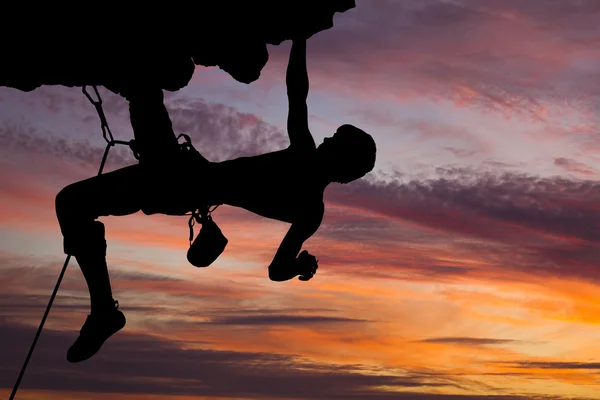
<point x="574" y="166"/>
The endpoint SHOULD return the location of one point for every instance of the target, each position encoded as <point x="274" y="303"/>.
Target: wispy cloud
<point x="468" y="341"/>
<point x="555" y="365"/>
<point x="574" y="166"/>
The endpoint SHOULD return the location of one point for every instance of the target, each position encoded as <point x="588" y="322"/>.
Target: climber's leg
<point x="77" y="207"/>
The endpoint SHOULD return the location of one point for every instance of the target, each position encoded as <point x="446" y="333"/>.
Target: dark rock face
<point x="157" y="44"/>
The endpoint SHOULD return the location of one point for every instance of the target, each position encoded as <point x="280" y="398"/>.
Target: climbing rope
<point x="108" y="137"/>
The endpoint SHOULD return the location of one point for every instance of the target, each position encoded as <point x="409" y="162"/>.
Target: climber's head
<point x="348" y="155"/>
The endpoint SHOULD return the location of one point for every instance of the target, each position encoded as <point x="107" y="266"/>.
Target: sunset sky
<point x="465" y="265"/>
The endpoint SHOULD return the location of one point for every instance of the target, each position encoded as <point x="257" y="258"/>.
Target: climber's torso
<point x="282" y="185"/>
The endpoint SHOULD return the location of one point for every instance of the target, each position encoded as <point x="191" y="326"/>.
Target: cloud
<point x="468" y="341"/>
<point x="461" y="153"/>
<point x="543" y="225"/>
<point x="221" y="132"/>
<point x="274" y="319"/>
<point x="25" y="140"/>
<point x="460" y="200"/>
<point x="574" y="166"/>
<point x="447" y="270"/>
<point x="152" y="365"/>
<point x="554" y="365"/>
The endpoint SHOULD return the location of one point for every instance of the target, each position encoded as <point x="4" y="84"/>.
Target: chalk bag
<point x="209" y="244"/>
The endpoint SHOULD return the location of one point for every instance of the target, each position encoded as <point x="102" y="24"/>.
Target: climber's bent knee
<point x="80" y="231"/>
<point x="85" y="239"/>
<point x="65" y="202"/>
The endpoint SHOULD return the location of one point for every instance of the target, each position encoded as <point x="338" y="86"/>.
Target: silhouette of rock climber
<point x="285" y="185"/>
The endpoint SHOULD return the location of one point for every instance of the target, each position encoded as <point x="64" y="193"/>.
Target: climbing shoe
<point x="98" y="327"/>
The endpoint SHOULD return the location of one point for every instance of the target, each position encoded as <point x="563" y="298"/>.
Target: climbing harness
<point x="200" y="215"/>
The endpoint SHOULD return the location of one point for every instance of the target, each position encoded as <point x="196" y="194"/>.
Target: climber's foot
<point x="98" y="327"/>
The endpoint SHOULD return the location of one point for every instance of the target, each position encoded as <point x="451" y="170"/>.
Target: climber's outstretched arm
<point x="297" y="91"/>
